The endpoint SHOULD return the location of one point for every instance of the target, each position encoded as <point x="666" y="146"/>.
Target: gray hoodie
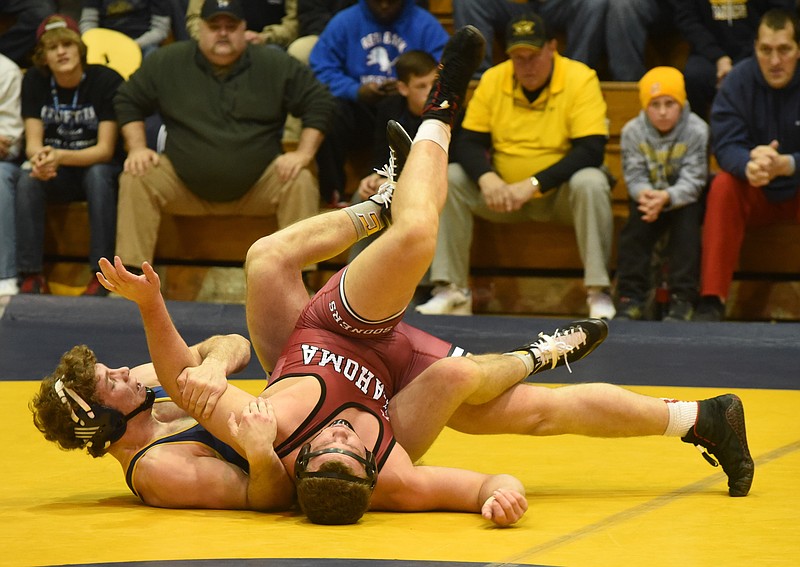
<point x="676" y="161"/>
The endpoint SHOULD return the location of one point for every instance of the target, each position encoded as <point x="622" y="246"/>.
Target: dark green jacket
<point x="222" y="133"/>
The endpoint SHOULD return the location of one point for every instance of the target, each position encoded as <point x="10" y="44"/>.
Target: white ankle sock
<point x="436" y="131"/>
<point x="682" y="417"/>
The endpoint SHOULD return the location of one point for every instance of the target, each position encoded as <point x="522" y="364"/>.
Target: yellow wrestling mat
<point x="651" y="502"/>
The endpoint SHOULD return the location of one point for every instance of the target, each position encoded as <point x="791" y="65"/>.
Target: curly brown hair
<point x="333" y="501"/>
<point x="50" y="415"/>
<point x="39" y="57"/>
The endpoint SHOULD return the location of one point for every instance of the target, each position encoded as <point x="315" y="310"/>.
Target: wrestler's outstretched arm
<point x="404" y="487"/>
<point x="171" y="355"/>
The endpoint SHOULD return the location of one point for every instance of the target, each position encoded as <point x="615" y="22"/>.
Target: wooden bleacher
<point x="524" y="268"/>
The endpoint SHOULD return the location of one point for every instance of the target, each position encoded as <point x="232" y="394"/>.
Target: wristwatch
<point x="537" y="189"/>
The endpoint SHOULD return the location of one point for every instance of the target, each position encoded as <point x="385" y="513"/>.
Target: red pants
<point x="733" y="206"/>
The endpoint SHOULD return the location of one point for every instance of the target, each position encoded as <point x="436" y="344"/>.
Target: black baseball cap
<point x="214" y="8"/>
<point x="525" y="30"/>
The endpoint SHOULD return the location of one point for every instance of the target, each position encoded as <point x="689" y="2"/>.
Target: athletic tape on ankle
<point x="435" y="131"/>
<point x="524" y="356"/>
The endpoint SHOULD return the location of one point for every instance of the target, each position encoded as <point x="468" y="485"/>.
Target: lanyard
<point x="54" y="93"/>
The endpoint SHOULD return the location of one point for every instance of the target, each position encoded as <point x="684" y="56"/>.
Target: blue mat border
<point x="36" y="330"/>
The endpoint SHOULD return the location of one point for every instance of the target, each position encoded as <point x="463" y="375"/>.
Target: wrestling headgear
<point x="306" y="454"/>
<point x="100" y="425"/>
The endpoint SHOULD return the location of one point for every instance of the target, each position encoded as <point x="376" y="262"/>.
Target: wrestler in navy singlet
<point x="358" y="363"/>
<point x="192" y="434"/>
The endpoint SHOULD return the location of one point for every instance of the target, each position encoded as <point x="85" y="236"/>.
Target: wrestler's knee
<point x="264" y="255"/>
<point x="417" y="239"/>
<point x="457" y="375"/>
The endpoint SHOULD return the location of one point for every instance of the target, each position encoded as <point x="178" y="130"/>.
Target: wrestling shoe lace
<point x="565" y="345"/>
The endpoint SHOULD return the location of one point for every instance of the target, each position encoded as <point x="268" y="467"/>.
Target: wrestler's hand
<point x="142" y="290"/>
<point x="504" y="507"/>
<point x="256" y="428"/>
<point x="201" y="386"/>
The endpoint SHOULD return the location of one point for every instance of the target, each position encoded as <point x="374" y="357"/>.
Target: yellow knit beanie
<point x="662" y="81"/>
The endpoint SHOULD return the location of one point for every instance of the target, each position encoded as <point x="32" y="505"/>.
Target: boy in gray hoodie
<point x="664" y="159"/>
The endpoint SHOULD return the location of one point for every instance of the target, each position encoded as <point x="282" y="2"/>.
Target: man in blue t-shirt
<point x="355" y="57"/>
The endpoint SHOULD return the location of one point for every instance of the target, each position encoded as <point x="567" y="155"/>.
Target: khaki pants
<point x="583" y="202"/>
<point x="142" y="200"/>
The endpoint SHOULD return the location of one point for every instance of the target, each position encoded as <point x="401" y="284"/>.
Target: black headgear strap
<point x="100" y="425"/>
<point x="306" y="454"/>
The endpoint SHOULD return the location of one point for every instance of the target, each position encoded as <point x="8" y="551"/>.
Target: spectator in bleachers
<point x="10" y="153"/>
<point x="355" y="57"/>
<point x="145" y="21"/>
<point x="71" y="8"/>
<point x="17" y="42"/>
<point x="313" y="16"/>
<point x="72" y="148"/>
<point x="720" y="34"/>
<point x="665" y="162"/>
<point x="531" y="148"/>
<point x="756" y="141"/>
<point x="618" y="27"/>
<point x="271" y="23"/>
<point x="177" y="16"/>
<point x="416" y="71"/>
<point x="224" y="102"/>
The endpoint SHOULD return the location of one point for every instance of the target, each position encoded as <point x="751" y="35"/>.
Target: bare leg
<point x="276" y="293"/>
<point x="594" y="410"/>
<point x="482" y="395"/>
<point x="423" y="408"/>
<point x="382" y="279"/>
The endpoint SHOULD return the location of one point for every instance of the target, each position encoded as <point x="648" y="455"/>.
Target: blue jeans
<point x="701" y="84"/>
<point x="9" y="172"/>
<point x="627" y="25"/>
<point x="18" y="41"/>
<point x="617" y="27"/>
<point x="581" y="19"/>
<point x="96" y="184"/>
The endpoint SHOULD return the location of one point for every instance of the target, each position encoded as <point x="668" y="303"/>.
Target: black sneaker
<point x="566" y="344"/>
<point x="460" y="59"/>
<point x="679" y="309"/>
<point x="399" y="148"/>
<point x="709" y="309"/>
<point x="629" y="308"/>
<point x="720" y="430"/>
